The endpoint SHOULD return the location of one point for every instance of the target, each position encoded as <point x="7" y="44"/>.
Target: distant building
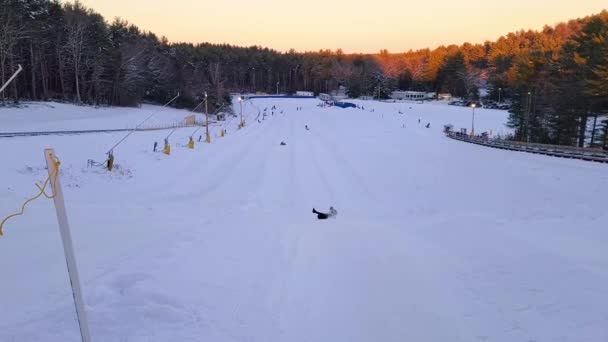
<point x="412" y="95"/>
<point x="444" y="96"/>
<point x="190" y="120"/>
<point x="339" y="94"/>
<point x="325" y="97"/>
<point x="305" y="93"/>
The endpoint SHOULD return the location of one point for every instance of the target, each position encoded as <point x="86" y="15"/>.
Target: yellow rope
<point x="42" y="192"/>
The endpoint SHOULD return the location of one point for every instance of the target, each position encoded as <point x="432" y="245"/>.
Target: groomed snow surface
<point x="435" y="239"/>
<point x="52" y="116"/>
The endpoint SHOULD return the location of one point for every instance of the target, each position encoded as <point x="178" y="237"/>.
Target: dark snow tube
<point x="320" y="216"/>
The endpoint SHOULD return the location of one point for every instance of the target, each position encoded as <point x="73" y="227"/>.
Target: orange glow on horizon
<point x="353" y="26"/>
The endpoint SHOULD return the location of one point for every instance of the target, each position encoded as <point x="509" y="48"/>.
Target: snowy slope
<point x="53" y="116"/>
<point x="435" y="240"/>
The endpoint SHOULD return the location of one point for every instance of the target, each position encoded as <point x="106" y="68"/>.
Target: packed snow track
<point x="435" y="240"/>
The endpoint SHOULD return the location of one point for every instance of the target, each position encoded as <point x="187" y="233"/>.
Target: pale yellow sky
<point x="353" y="25"/>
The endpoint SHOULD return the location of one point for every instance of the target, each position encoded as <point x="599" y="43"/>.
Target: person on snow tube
<point x="324" y="216"/>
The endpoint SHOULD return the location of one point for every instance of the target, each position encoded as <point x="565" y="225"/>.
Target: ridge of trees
<point x="556" y="78"/>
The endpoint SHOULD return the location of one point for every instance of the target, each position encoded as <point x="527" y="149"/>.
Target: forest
<point x="556" y="78"/>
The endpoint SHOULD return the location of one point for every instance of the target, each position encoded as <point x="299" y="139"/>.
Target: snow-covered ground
<point x="54" y="116"/>
<point x="435" y="239"/>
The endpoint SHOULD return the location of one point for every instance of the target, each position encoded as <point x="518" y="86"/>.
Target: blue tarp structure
<point x="278" y="97"/>
<point x="345" y="105"/>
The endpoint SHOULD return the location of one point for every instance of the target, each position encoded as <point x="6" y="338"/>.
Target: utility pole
<point x="295" y="77"/>
<point x="241" y="104"/>
<point x="528" y="107"/>
<point x="473" y="120"/>
<point x="208" y="137"/>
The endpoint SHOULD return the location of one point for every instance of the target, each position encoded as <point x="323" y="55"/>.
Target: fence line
<point x="588" y="154"/>
<point x="145" y="128"/>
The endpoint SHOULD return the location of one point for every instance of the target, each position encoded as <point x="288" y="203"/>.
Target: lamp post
<point x="241" y="105"/>
<point x="207" y="137"/>
<point x="528" y="108"/>
<point x="295" y="77"/>
<point x="473" y="120"/>
<point x="499" y="95"/>
<point x="254" y="89"/>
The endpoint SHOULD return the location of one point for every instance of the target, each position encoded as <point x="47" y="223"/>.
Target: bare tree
<point x="341" y="71"/>
<point x="76" y="24"/>
<point x="216" y="79"/>
<point x="470" y="78"/>
<point x="11" y="31"/>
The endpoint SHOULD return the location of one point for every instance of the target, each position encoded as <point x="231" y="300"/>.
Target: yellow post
<point x="167" y="149"/>
<point x="191" y="143"/>
<point x="110" y="161"/>
<point x="208" y="139"/>
<point x="223" y="133"/>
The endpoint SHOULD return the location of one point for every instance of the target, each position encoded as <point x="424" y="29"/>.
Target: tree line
<point x="556" y="78"/>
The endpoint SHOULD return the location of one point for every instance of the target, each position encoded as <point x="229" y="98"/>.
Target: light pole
<point x="473" y="120"/>
<point x="499" y="95"/>
<point x="295" y="77"/>
<point x="254" y="89"/>
<point x="278" y="87"/>
<point x="241" y="105"/>
<point x="528" y="107"/>
<point x="207" y="137"/>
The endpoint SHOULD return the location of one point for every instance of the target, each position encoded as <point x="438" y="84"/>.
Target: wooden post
<point x="66" y="238"/>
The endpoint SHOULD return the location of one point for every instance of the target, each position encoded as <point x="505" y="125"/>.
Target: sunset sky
<point x="353" y="25"/>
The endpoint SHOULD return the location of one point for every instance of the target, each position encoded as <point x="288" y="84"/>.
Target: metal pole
<point x="529" y="103"/>
<point x="138" y="126"/>
<point x="68" y="248"/>
<point x="207" y="137"/>
<point x="499" y="95"/>
<point x="241" y="104"/>
<point x="11" y="79"/>
<point x="473" y="121"/>
<point x="295" y="78"/>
